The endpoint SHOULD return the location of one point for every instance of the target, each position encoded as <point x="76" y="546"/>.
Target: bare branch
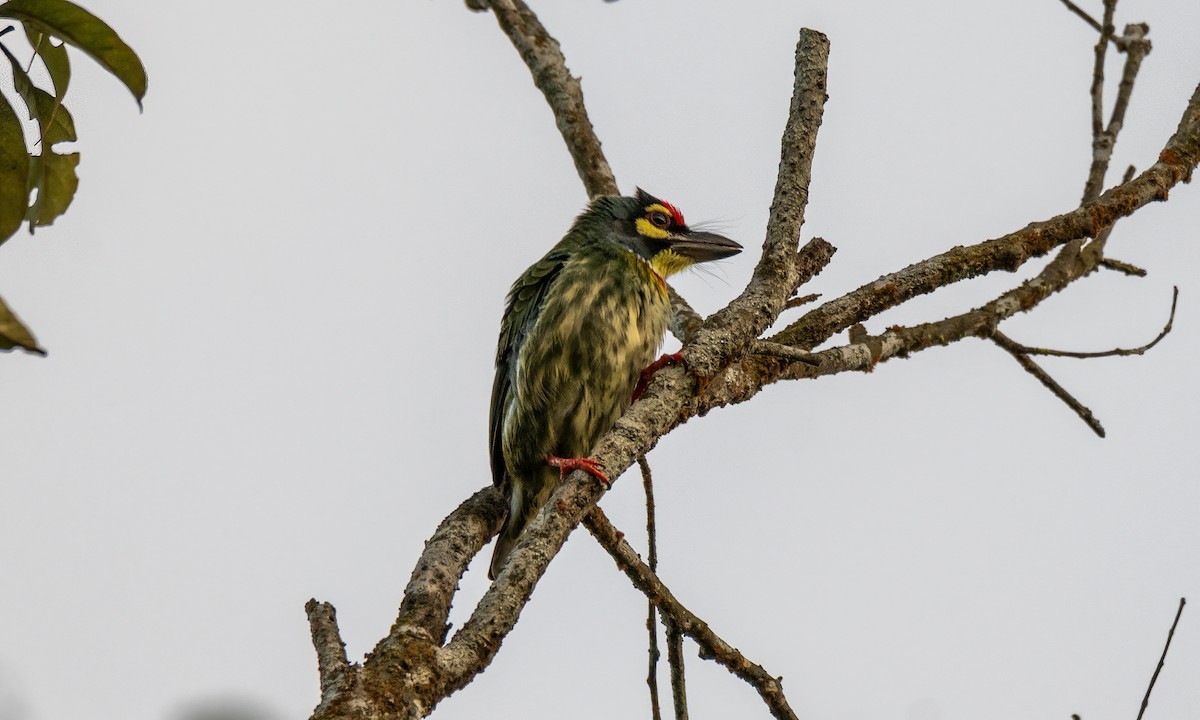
<point x="1051" y="384"/>
<point x="1091" y="21"/>
<point x="1104" y="139"/>
<point x="802" y="300"/>
<point x="1122" y="267"/>
<point x="1137" y="48"/>
<point x="674" y="638"/>
<point x="332" y="666"/>
<point x="1162" y="659"/>
<point x="1106" y="32"/>
<point x="430" y="590"/>
<point x="1009" y="252"/>
<point x="684" y="320"/>
<point x="1026" y="350"/>
<point x="548" y="66"/>
<point x="777" y="274"/>
<point x="675" y="661"/>
<point x="711" y="645"/>
<point x="652" y="613"/>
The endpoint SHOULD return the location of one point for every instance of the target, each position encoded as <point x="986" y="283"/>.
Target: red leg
<point x="568" y="465"/>
<point x="648" y="373"/>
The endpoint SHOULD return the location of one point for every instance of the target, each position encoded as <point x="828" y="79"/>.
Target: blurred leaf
<point x="54" y="57"/>
<point x="54" y="177"/>
<point x="14" y="171"/>
<point x="76" y="26"/>
<point x="14" y="334"/>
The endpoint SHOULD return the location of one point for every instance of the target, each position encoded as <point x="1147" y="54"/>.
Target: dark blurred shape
<point x="225" y="708"/>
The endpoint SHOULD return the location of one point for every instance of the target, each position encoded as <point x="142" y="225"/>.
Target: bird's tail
<point x="504" y="545"/>
<point x="520" y="513"/>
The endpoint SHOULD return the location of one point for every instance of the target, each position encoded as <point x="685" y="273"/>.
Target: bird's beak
<point x="703" y="246"/>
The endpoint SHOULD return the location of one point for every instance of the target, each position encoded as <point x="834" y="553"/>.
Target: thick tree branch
<point x="403" y="663"/>
<point x="776" y="276"/>
<point x="332" y="666"/>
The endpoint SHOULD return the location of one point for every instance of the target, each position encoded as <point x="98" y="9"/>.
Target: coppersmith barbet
<point x="579" y="327"/>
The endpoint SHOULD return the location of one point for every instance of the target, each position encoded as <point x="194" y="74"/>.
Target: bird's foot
<point x="644" y="380"/>
<point x="568" y="465"/>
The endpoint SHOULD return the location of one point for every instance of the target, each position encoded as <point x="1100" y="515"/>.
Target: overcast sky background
<point x="271" y="315"/>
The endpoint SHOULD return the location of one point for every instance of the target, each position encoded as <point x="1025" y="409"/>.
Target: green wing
<point x="520" y="314"/>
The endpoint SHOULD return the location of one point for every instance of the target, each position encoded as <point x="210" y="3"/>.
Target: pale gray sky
<point x="271" y="316"/>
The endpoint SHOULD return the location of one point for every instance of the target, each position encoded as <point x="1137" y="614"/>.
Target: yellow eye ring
<point x="659" y="219"/>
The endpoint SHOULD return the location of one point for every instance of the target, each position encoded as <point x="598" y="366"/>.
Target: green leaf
<point x="14" y="171"/>
<point x="55" y="124"/>
<point x="54" y="57"/>
<point x="14" y="334"/>
<point x="52" y="174"/>
<point x="54" y="177"/>
<point x="76" y="26"/>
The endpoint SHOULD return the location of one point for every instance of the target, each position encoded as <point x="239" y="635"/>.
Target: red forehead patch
<point x="674" y="212"/>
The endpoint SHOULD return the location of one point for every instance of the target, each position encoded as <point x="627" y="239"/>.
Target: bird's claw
<point x="568" y="465"/>
<point x="648" y="374"/>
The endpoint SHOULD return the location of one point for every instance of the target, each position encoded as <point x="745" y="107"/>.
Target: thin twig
<point x="674" y="638"/>
<point x="652" y="614"/>
<point x="1083" y="14"/>
<point x="802" y="300"/>
<point x="1122" y="267"/>
<point x="1163" y="659"/>
<point x="675" y="660"/>
<point x="711" y="645"/>
<point x="1102" y="142"/>
<point x="1137" y="48"/>
<point x="563" y="93"/>
<point x="1051" y="384"/>
<point x="1115" y="351"/>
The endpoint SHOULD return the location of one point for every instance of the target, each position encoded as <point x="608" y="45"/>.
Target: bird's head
<point x="655" y="230"/>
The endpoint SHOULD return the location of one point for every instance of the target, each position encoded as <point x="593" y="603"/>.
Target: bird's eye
<point x="659" y="219"/>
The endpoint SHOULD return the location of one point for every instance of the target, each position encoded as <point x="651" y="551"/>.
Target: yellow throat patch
<point x="668" y="262"/>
